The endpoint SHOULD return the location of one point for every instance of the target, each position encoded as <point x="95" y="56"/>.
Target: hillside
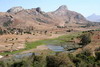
<point x="18" y="17"/>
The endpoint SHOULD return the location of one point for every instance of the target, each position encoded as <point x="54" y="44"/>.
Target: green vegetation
<point x="97" y="55"/>
<point x="1" y="32"/>
<point x="85" y="39"/>
<point x="34" y="44"/>
<point x="61" y="59"/>
<point x="13" y="52"/>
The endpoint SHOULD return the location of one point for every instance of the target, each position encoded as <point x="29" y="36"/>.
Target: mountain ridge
<point x="19" y="17"/>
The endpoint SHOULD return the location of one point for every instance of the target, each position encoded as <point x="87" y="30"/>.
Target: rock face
<point x="38" y="9"/>
<point x="23" y="18"/>
<point x="65" y="15"/>
<point x="15" y="9"/>
<point x="62" y="9"/>
<point x="5" y="19"/>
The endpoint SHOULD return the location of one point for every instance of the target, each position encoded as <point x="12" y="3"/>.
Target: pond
<point x="68" y="47"/>
<point x="55" y="48"/>
<point x="23" y="55"/>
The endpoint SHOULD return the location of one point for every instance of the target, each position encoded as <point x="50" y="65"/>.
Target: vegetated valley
<point x="61" y="38"/>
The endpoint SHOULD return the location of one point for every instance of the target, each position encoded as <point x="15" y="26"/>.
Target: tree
<point x="85" y="39"/>
<point x="59" y="60"/>
<point x="1" y="32"/>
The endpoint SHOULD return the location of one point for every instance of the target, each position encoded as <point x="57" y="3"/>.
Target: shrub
<point x="86" y="59"/>
<point x="53" y="61"/>
<point x="1" y="32"/>
<point x="75" y="60"/>
<point x="18" y="64"/>
<point x="39" y="61"/>
<point x="1" y="64"/>
<point x="97" y="56"/>
<point x="61" y="60"/>
<point x="85" y="39"/>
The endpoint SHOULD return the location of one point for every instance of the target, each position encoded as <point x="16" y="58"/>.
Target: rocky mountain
<point x="18" y="17"/>
<point x="94" y="18"/>
<point x="66" y="16"/>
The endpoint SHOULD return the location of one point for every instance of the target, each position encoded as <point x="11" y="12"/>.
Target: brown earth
<point x="93" y="46"/>
<point x="16" y="42"/>
<point x="18" y="17"/>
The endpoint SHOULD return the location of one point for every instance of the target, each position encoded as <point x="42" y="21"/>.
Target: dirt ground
<point x="10" y="42"/>
<point x="16" y="42"/>
<point x="93" y="46"/>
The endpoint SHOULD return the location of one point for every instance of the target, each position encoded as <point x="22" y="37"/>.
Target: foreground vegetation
<point x="83" y="59"/>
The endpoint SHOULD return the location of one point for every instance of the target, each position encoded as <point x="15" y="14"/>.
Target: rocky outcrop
<point x="5" y="19"/>
<point x="38" y="9"/>
<point x="61" y="10"/>
<point x="15" y="9"/>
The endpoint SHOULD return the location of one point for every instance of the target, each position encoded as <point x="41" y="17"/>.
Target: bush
<point x="21" y="64"/>
<point x="75" y="60"/>
<point x="39" y="61"/>
<point x="1" y="64"/>
<point x="1" y="32"/>
<point x="97" y="56"/>
<point x="85" y="39"/>
<point x="61" y="60"/>
<point x="86" y="59"/>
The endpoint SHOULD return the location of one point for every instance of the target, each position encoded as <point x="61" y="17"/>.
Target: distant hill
<point x="94" y="18"/>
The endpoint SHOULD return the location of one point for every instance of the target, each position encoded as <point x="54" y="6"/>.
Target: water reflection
<point x="55" y="48"/>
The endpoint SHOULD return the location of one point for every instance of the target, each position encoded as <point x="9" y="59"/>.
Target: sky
<point x="85" y="7"/>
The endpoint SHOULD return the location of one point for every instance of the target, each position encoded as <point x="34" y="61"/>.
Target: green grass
<point x="13" y="52"/>
<point x="59" y="40"/>
<point x="34" y="44"/>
